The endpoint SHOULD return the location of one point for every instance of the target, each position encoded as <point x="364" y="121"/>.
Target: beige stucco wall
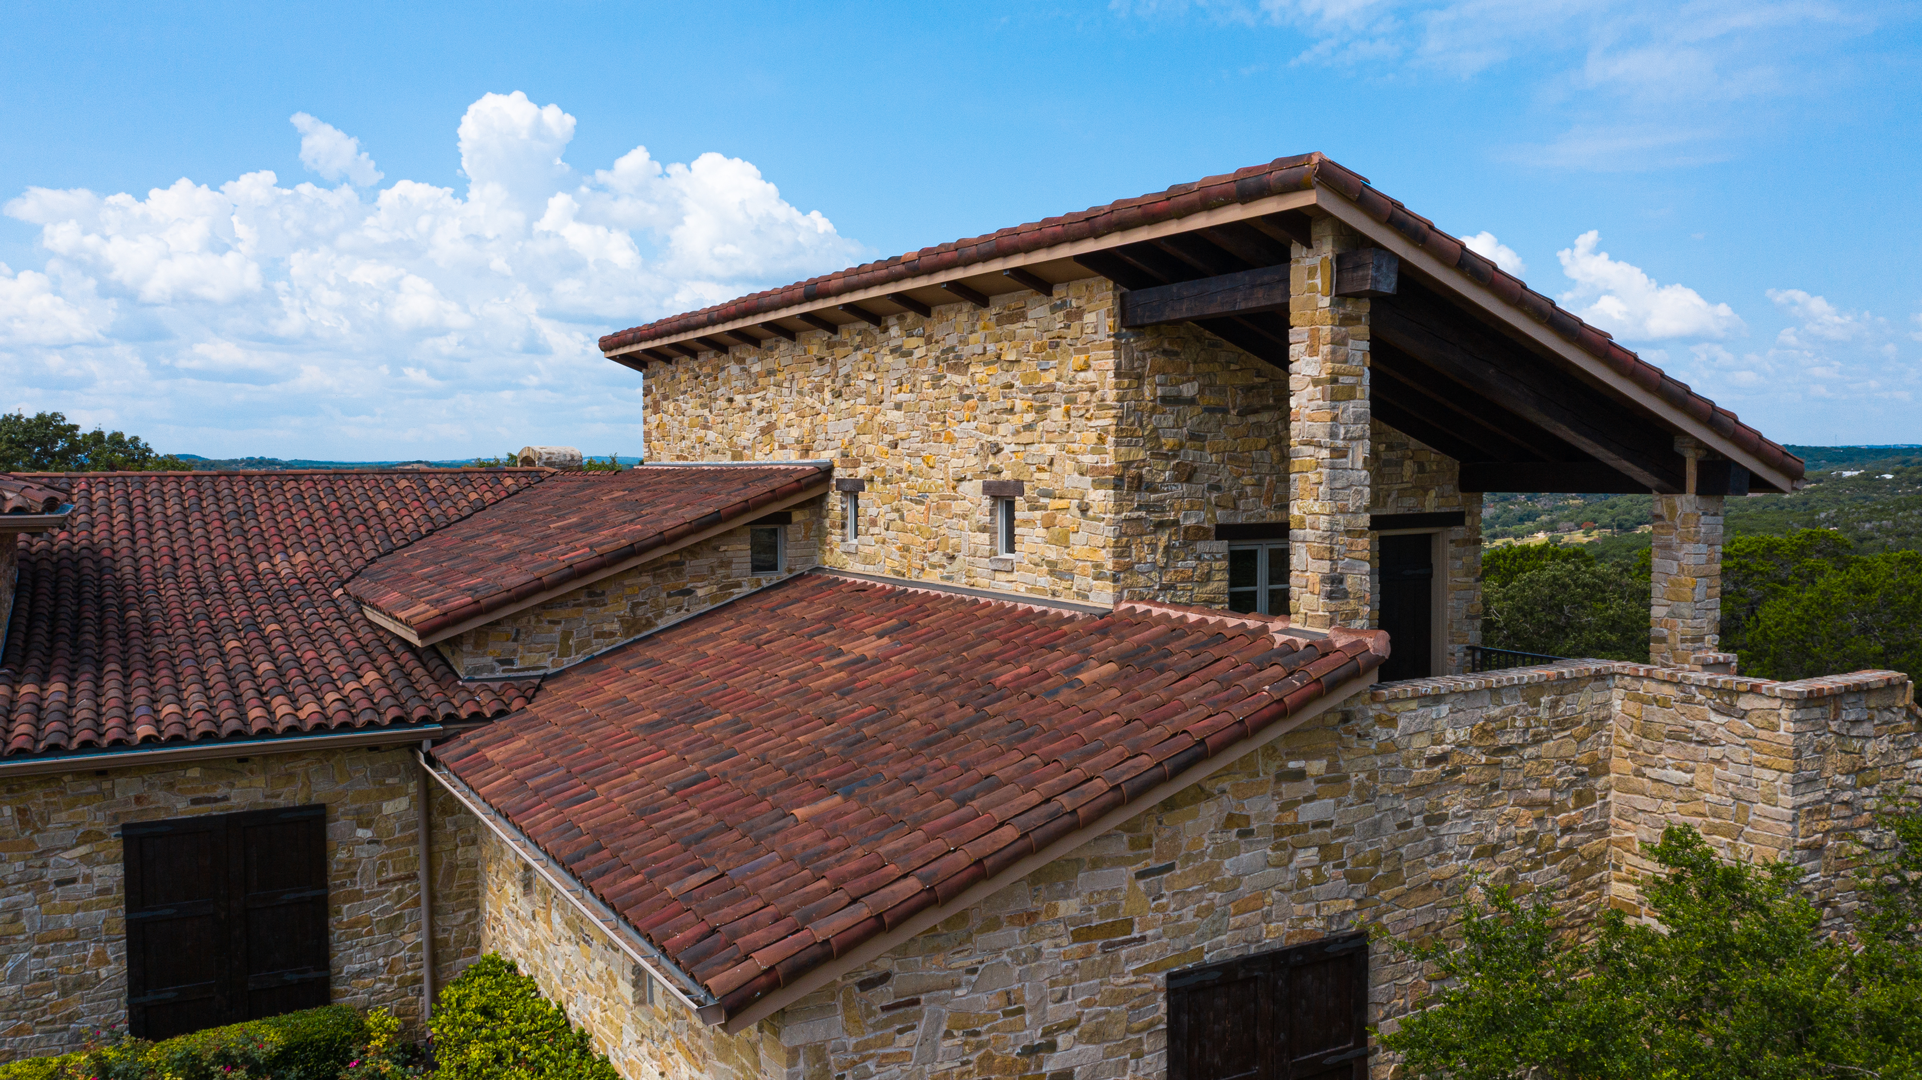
<point x="621" y="607"/>
<point x="62" y="905"/>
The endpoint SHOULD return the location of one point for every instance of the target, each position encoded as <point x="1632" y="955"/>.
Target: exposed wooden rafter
<point x="780" y="331"/>
<point x="819" y="323"/>
<point x="911" y="304"/>
<point x="965" y="293"/>
<point x="1029" y="280"/>
<point x="1265" y="289"/>
<point x="862" y="314"/>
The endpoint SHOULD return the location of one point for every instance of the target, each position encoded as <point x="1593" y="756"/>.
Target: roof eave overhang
<point x="217" y="749"/>
<point x="881" y="945"/>
<point x="34" y="523"/>
<point x="992" y="268"/>
<point x="1339" y="206"/>
<point x="410" y="634"/>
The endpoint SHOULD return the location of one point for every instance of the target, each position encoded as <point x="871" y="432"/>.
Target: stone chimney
<point x="553" y="457"/>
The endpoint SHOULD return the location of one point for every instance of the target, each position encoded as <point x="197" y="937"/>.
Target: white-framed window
<point x="1258" y="578"/>
<point x="766" y="549"/>
<point x="850" y="516"/>
<point x="1004" y="526"/>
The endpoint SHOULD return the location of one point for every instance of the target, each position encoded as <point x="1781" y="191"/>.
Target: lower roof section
<point x="765" y="789"/>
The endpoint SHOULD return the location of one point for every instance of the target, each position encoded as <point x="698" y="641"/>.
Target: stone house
<point x="1050" y="654"/>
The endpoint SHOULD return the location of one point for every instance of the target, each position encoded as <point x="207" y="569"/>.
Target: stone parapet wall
<point x="62" y="900"/>
<point x="646" y="1032"/>
<point x="594" y="618"/>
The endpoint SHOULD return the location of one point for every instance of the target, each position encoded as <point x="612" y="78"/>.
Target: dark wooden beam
<point x="1162" y="264"/>
<point x="965" y="293"/>
<point x="1265" y="289"/>
<point x="629" y="360"/>
<point x="1501" y="435"/>
<point x="719" y="345"/>
<point x="1118" y="270"/>
<point x="1571" y="477"/>
<point x="1291" y="225"/>
<point x="1250" y="244"/>
<point x="745" y="338"/>
<point x="685" y="349"/>
<point x="780" y="331"/>
<point x="1262" y="343"/>
<point x="1427" y="330"/>
<point x="818" y="322"/>
<point x="663" y="355"/>
<point x="911" y="304"/>
<point x="863" y="314"/>
<point x="1368" y="272"/>
<point x="1424" y="428"/>
<point x="1028" y="280"/>
<point x="1199" y="252"/>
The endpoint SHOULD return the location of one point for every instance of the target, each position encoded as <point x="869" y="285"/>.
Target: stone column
<point x="1685" y="582"/>
<point x="1329" y="543"/>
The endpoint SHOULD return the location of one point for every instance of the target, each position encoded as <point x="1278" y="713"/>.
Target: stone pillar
<point x="1685" y="582"/>
<point x="1329" y="542"/>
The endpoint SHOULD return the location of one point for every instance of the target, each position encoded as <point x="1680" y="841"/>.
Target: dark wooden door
<point x="1408" y="604"/>
<point x="226" y="918"/>
<point x="1291" y="1014"/>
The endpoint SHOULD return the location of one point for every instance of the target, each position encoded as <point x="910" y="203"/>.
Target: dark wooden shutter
<point x="226" y="918"/>
<point x="1408" y="604"/>
<point x="1292" y="1014"/>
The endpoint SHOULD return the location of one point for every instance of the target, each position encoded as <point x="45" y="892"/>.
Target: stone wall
<point x="570" y="628"/>
<point x="602" y="989"/>
<point x="1409" y="477"/>
<point x="454" y="863"/>
<point x="923" y="410"/>
<point x="62" y="904"/>
<point x="1202" y="440"/>
<point x="1765" y="770"/>
<point x="1685" y="580"/>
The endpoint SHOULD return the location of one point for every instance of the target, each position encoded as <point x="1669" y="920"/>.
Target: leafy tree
<point x="1736" y="980"/>
<point x="1757" y="569"/>
<point x="46" y="442"/>
<point x="1865" y="614"/>
<point x="1502" y="565"/>
<point x="1568" y="605"/>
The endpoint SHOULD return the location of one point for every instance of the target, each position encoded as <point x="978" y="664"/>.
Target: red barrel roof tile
<point x="767" y="786"/>
<point x="566" y="529"/>
<point x="181" y="607"/>
<point x="23" y="495"/>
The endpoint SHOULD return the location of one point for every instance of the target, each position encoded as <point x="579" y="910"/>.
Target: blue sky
<point x="459" y="203"/>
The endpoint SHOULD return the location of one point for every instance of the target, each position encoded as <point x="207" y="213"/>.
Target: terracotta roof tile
<point x="1296" y="173"/>
<point x="178" y="607"/>
<point x="755" y="841"/>
<point x="565" y="530"/>
<point x="35" y="495"/>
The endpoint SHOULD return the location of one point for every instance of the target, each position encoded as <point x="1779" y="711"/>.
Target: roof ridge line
<point x="991" y="596"/>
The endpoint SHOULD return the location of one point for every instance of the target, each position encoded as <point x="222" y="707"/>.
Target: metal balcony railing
<point x="1482" y="658"/>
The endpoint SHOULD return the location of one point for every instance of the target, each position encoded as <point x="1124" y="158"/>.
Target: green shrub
<point x="314" y="1044"/>
<point x="1570" y="605"/>
<point x="492" y="1023"/>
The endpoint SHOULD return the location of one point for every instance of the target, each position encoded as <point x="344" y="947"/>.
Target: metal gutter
<point x="213" y="750"/>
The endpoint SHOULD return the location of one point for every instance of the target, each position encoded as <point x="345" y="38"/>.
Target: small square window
<point x="850" y="516"/>
<point x="1004" y="526"/>
<point x="1258" y="578"/>
<point x="764" y="549"/>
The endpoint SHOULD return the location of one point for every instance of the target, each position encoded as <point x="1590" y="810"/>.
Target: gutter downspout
<point x="425" y="823"/>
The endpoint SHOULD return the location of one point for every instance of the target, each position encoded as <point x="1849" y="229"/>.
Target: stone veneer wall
<point x="602" y="989"/>
<point x="621" y="607"/>
<point x="1202" y="440"/>
<point x="1765" y="770"/>
<point x="62" y="908"/>
<point x="1371" y="816"/>
<point x="1409" y="477"/>
<point x="923" y="410"/>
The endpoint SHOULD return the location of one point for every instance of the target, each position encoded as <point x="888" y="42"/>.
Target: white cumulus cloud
<point x="357" y="321"/>
<point x="332" y="153"/>
<point x="1484" y="244"/>
<point x="1625" y="301"/>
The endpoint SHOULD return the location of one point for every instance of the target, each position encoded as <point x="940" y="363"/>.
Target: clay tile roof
<point x="1297" y="173"/>
<point x="181" y="607"/>
<point x="568" y="529"/>
<point x="25" y="495"/>
<point x="769" y="785"/>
